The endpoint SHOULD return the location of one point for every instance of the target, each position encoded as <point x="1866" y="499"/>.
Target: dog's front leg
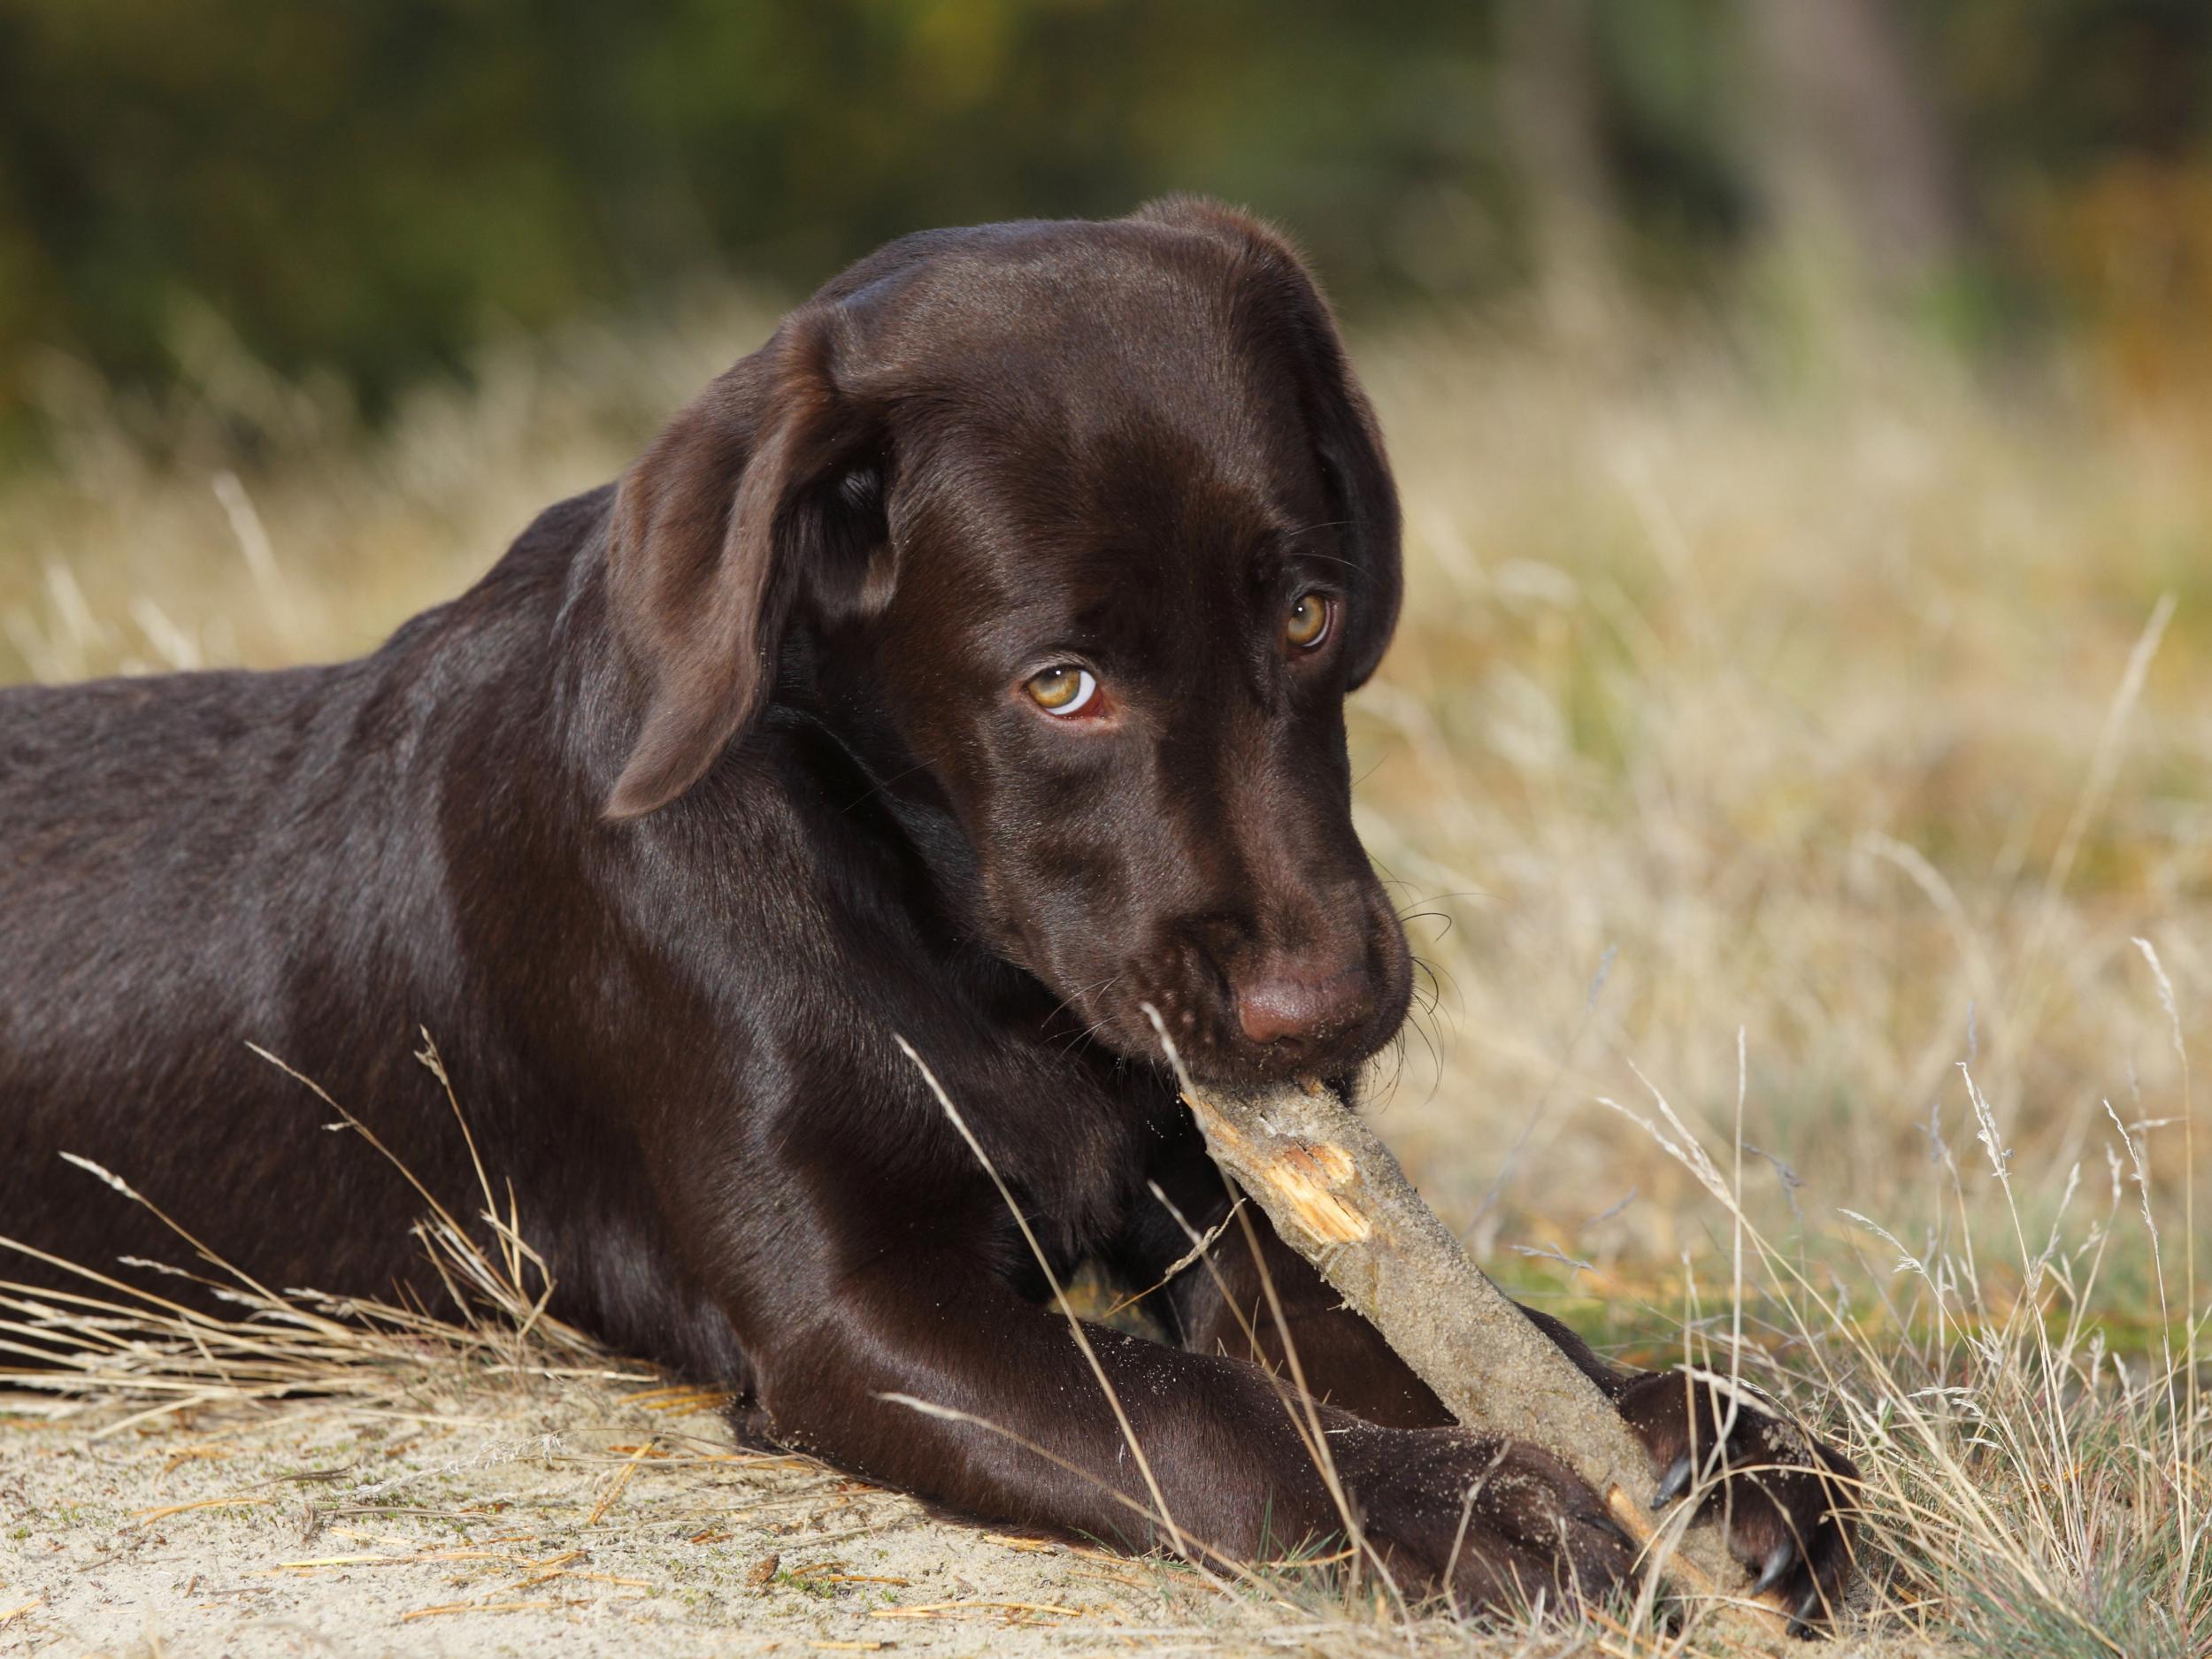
<point x="1785" y="1498"/>
<point x="1260" y="1301"/>
<point x="927" y="1370"/>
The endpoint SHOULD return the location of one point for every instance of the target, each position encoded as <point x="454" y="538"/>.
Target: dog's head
<point x="1097" y="522"/>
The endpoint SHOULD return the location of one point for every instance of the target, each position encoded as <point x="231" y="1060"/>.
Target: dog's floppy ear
<point x="1282" y="303"/>
<point x="764" y="496"/>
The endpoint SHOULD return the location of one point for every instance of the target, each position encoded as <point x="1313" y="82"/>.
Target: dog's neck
<point x="832" y="687"/>
<point x="830" y="720"/>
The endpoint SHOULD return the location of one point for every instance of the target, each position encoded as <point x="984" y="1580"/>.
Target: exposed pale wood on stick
<point x="1338" y="1196"/>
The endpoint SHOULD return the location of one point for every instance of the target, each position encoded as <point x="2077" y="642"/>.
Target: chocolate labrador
<point x="966" y="665"/>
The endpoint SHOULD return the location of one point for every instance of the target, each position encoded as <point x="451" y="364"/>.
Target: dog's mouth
<point x="1266" y="1020"/>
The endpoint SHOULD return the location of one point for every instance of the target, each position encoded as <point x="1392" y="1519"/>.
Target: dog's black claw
<point x="1673" y="1484"/>
<point x="1802" y="1624"/>
<point x="1780" y="1560"/>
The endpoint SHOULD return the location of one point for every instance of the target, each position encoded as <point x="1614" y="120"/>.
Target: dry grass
<point x="111" y="1338"/>
<point x="1796" y="760"/>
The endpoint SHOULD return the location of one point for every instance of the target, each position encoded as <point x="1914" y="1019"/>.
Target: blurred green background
<point x="366" y="188"/>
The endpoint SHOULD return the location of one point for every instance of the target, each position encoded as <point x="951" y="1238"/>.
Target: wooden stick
<point x="1337" y="1197"/>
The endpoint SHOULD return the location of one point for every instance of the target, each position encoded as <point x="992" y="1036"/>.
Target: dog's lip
<point x="1200" y="1018"/>
<point x="1226" y="1058"/>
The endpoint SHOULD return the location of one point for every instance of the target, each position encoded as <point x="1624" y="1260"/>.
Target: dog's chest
<point x="1079" y="1154"/>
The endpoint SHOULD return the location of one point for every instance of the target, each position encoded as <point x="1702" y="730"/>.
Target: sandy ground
<point x="570" y="1519"/>
<point x="577" y="1520"/>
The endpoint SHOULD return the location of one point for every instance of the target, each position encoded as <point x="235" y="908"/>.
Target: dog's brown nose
<point x="1294" y="1003"/>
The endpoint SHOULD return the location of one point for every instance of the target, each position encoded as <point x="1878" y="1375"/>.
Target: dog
<point x="967" y="666"/>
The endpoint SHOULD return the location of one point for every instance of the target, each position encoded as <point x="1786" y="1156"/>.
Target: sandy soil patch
<point x="576" y="1519"/>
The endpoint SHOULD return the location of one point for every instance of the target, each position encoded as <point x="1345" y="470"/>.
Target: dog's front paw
<point x="1785" y="1498"/>
<point x="1495" y="1524"/>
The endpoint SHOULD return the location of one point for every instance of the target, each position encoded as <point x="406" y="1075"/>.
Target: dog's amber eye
<point x="1308" y="624"/>
<point x="1063" y="688"/>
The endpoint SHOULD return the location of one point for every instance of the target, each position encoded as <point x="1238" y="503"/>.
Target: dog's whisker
<point x="881" y="785"/>
<point x="1096" y="988"/>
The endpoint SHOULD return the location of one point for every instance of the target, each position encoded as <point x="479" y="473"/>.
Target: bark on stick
<point x="1338" y="1196"/>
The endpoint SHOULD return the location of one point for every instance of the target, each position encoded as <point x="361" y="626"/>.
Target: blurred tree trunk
<point x="1551" y="109"/>
<point x="1855" y="158"/>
